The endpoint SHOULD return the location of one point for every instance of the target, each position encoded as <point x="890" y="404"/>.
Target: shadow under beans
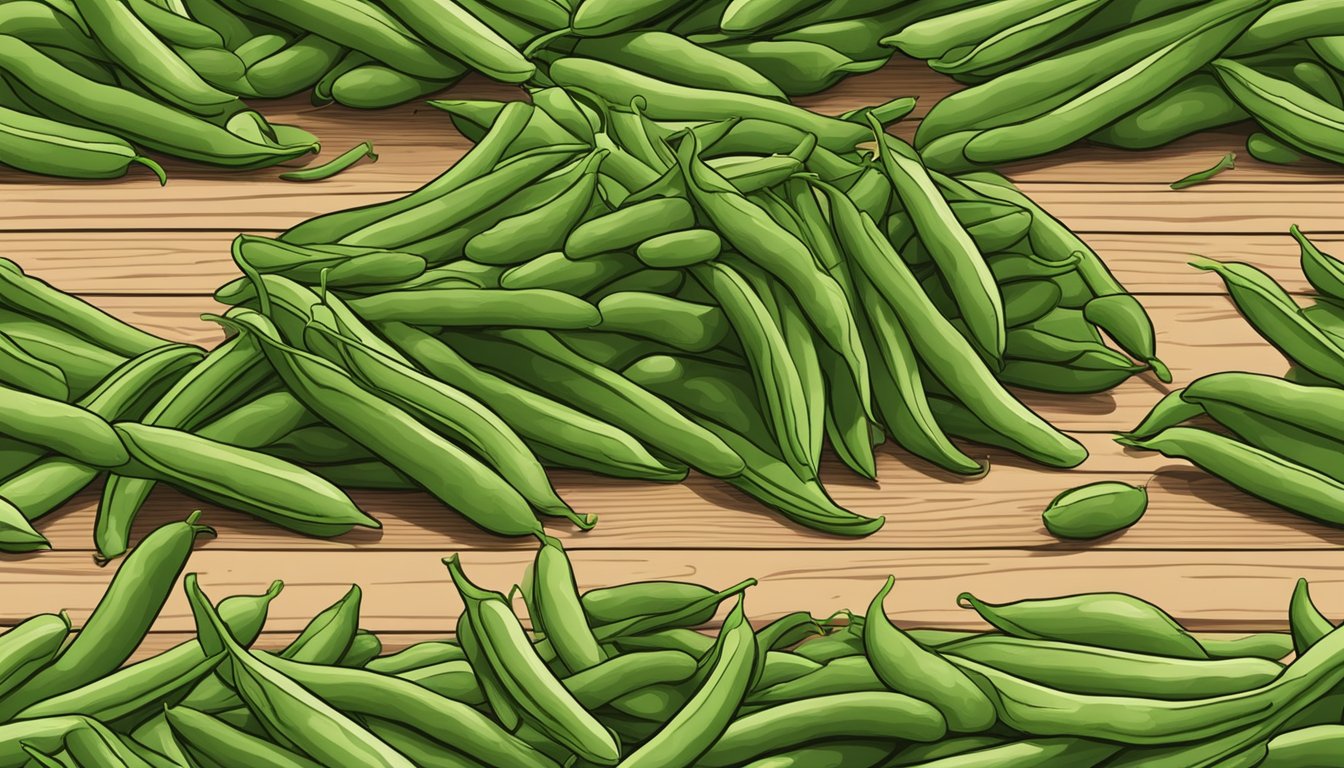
<point x="1214" y="492"/>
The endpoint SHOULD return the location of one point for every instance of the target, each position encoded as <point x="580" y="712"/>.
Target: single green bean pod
<point x="1095" y="510"/>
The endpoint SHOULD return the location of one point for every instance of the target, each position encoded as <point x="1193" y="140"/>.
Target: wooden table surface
<point x="1210" y="555"/>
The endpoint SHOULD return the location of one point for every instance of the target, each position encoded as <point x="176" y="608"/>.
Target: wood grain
<point x="197" y="262"/>
<point x="411" y="591"/>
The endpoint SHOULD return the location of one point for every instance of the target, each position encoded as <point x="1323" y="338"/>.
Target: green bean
<point x="610" y="605"/>
<point x="1323" y="271"/>
<point x="936" y="36"/>
<point x="1095" y="510"/>
<point x="563" y="374"/>
<point x="547" y="425"/>
<point x="453" y="679"/>
<point x="421" y="654"/>
<point x="374" y="86"/>
<point x="627" y="227"/>
<point x="555" y="607"/>
<point x="1195" y="104"/>
<point x="778" y="667"/>
<point x="948" y="355"/>
<point x="524" y="308"/>
<point x="540" y="230"/>
<point x="1121" y="316"/>
<point x="708" y="714"/>
<point x="329" y="634"/>
<point x="524" y="679"/>
<point x="1292" y="421"/>
<point x="140" y="690"/>
<point x="454" y="30"/>
<point x="1266" y="645"/>
<point x="577" y="278"/>
<point x="1060" y="752"/>
<point x="460" y="201"/>
<point x="51" y="733"/>
<point x="282" y="704"/>
<point x="1090" y="372"/>
<point x="909" y="668"/>
<point x="1087" y="669"/>
<point x="39" y="300"/>
<point x="1171" y="410"/>
<point x="454" y="414"/>
<point x="600" y="18"/>
<point x="260" y="47"/>
<point x="679" y="249"/>
<point x="1287" y="111"/>
<point x="681" y="640"/>
<point x="783" y="256"/>
<point x="39" y="145"/>
<point x="295" y="68"/>
<point x="32" y="374"/>
<point x="876" y="715"/>
<point x="119" y="621"/>
<point x="204" y="736"/>
<point x="627" y="673"/>
<point x="1274" y="314"/>
<point x="334" y="166"/>
<point x="1268" y="149"/>
<point x="798" y="67"/>
<point x="65" y="429"/>
<point x="30" y="646"/>
<point x="849" y="674"/>
<point x="674" y="59"/>
<point x="392" y="434"/>
<point x="1226" y="162"/>
<point x="1104" y="619"/>
<point x="668" y="101"/>
<point x="724" y="394"/>
<point x="921" y="754"/>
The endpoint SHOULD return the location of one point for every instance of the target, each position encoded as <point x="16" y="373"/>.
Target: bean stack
<point x="1279" y="437"/>
<point x="634" y="289"/>
<point x="620" y="675"/>
<point x="1134" y="75"/>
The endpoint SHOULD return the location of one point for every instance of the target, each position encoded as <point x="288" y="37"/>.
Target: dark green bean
<point x="29" y="646"/>
<point x="334" y="166"/>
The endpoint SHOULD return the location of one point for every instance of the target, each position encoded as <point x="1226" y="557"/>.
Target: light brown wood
<point x="1209" y="554"/>
<point x="401" y="590"/>
<point x="198" y="262"/>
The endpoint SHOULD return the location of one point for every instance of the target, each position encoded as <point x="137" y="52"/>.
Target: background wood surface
<point x="1210" y="555"/>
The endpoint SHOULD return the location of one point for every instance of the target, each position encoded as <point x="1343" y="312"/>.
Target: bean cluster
<point x="636" y="289"/>
<point x="636" y="674"/>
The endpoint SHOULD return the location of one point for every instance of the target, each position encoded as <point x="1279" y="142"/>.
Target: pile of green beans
<point x="609" y="288"/>
<point x="645" y="673"/>
<point x="1044" y="74"/>
<point x="1281" y="436"/>
<point x="87" y="87"/>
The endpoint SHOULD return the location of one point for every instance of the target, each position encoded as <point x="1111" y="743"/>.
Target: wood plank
<point x="1197" y="335"/>
<point x="1205" y="590"/>
<point x="198" y="262"/>
<point x="925" y="510"/>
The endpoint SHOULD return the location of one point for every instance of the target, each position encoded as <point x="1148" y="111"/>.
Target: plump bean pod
<point x="1015" y="40"/>
<point x="1123" y="318"/>
<point x="1104" y="619"/>
<point x="952" y="249"/>
<point x="1272" y="646"/>
<point x="1323" y="271"/>
<point x="909" y="668"/>
<point x="29" y="646"/>
<point x="743" y="17"/>
<point x="1291" y="113"/>
<point x="668" y="101"/>
<point x="393" y="435"/>
<point x="522" y="237"/>
<point x="120" y="620"/>
<point x="295" y="68"/>
<point x="1293" y="421"/>
<point x="40" y="301"/>
<point x="679" y="249"/>
<point x="939" y="34"/>
<point x="56" y="426"/>
<point x="1275" y="316"/>
<point x="1260" y="473"/>
<point x="577" y="278"/>
<point x="684" y="325"/>
<point x="878" y="715"/>
<point x="21" y="739"/>
<point x="540" y="359"/>
<point x="699" y="724"/>
<point x="1306" y="622"/>
<point x="454" y="414"/>
<point x="22" y="370"/>
<point x="549" y="427"/>
<point x="799" y="68"/>
<point x="282" y="704"/>
<point x="268" y="488"/>
<point x="203" y="735"/>
<point x="334" y="166"/>
<point x="530" y="308"/>
<point x="39" y="145"/>
<point x="610" y="605"/>
<point x="627" y="227"/>
<point x="1061" y="752"/>
<point x="526" y="681"/>
<point x="1095" y="510"/>
<point x="1268" y="149"/>
<point x="332" y="266"/>
<point x="374" y="86"/>
<point x="139" y="691"/>
<point x="1094" y="371"/>
<point x="555" y="606"/>
<point x="674" y="59"/>
<point x="849" y="674"/>
<point x="1087" y="669"/>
